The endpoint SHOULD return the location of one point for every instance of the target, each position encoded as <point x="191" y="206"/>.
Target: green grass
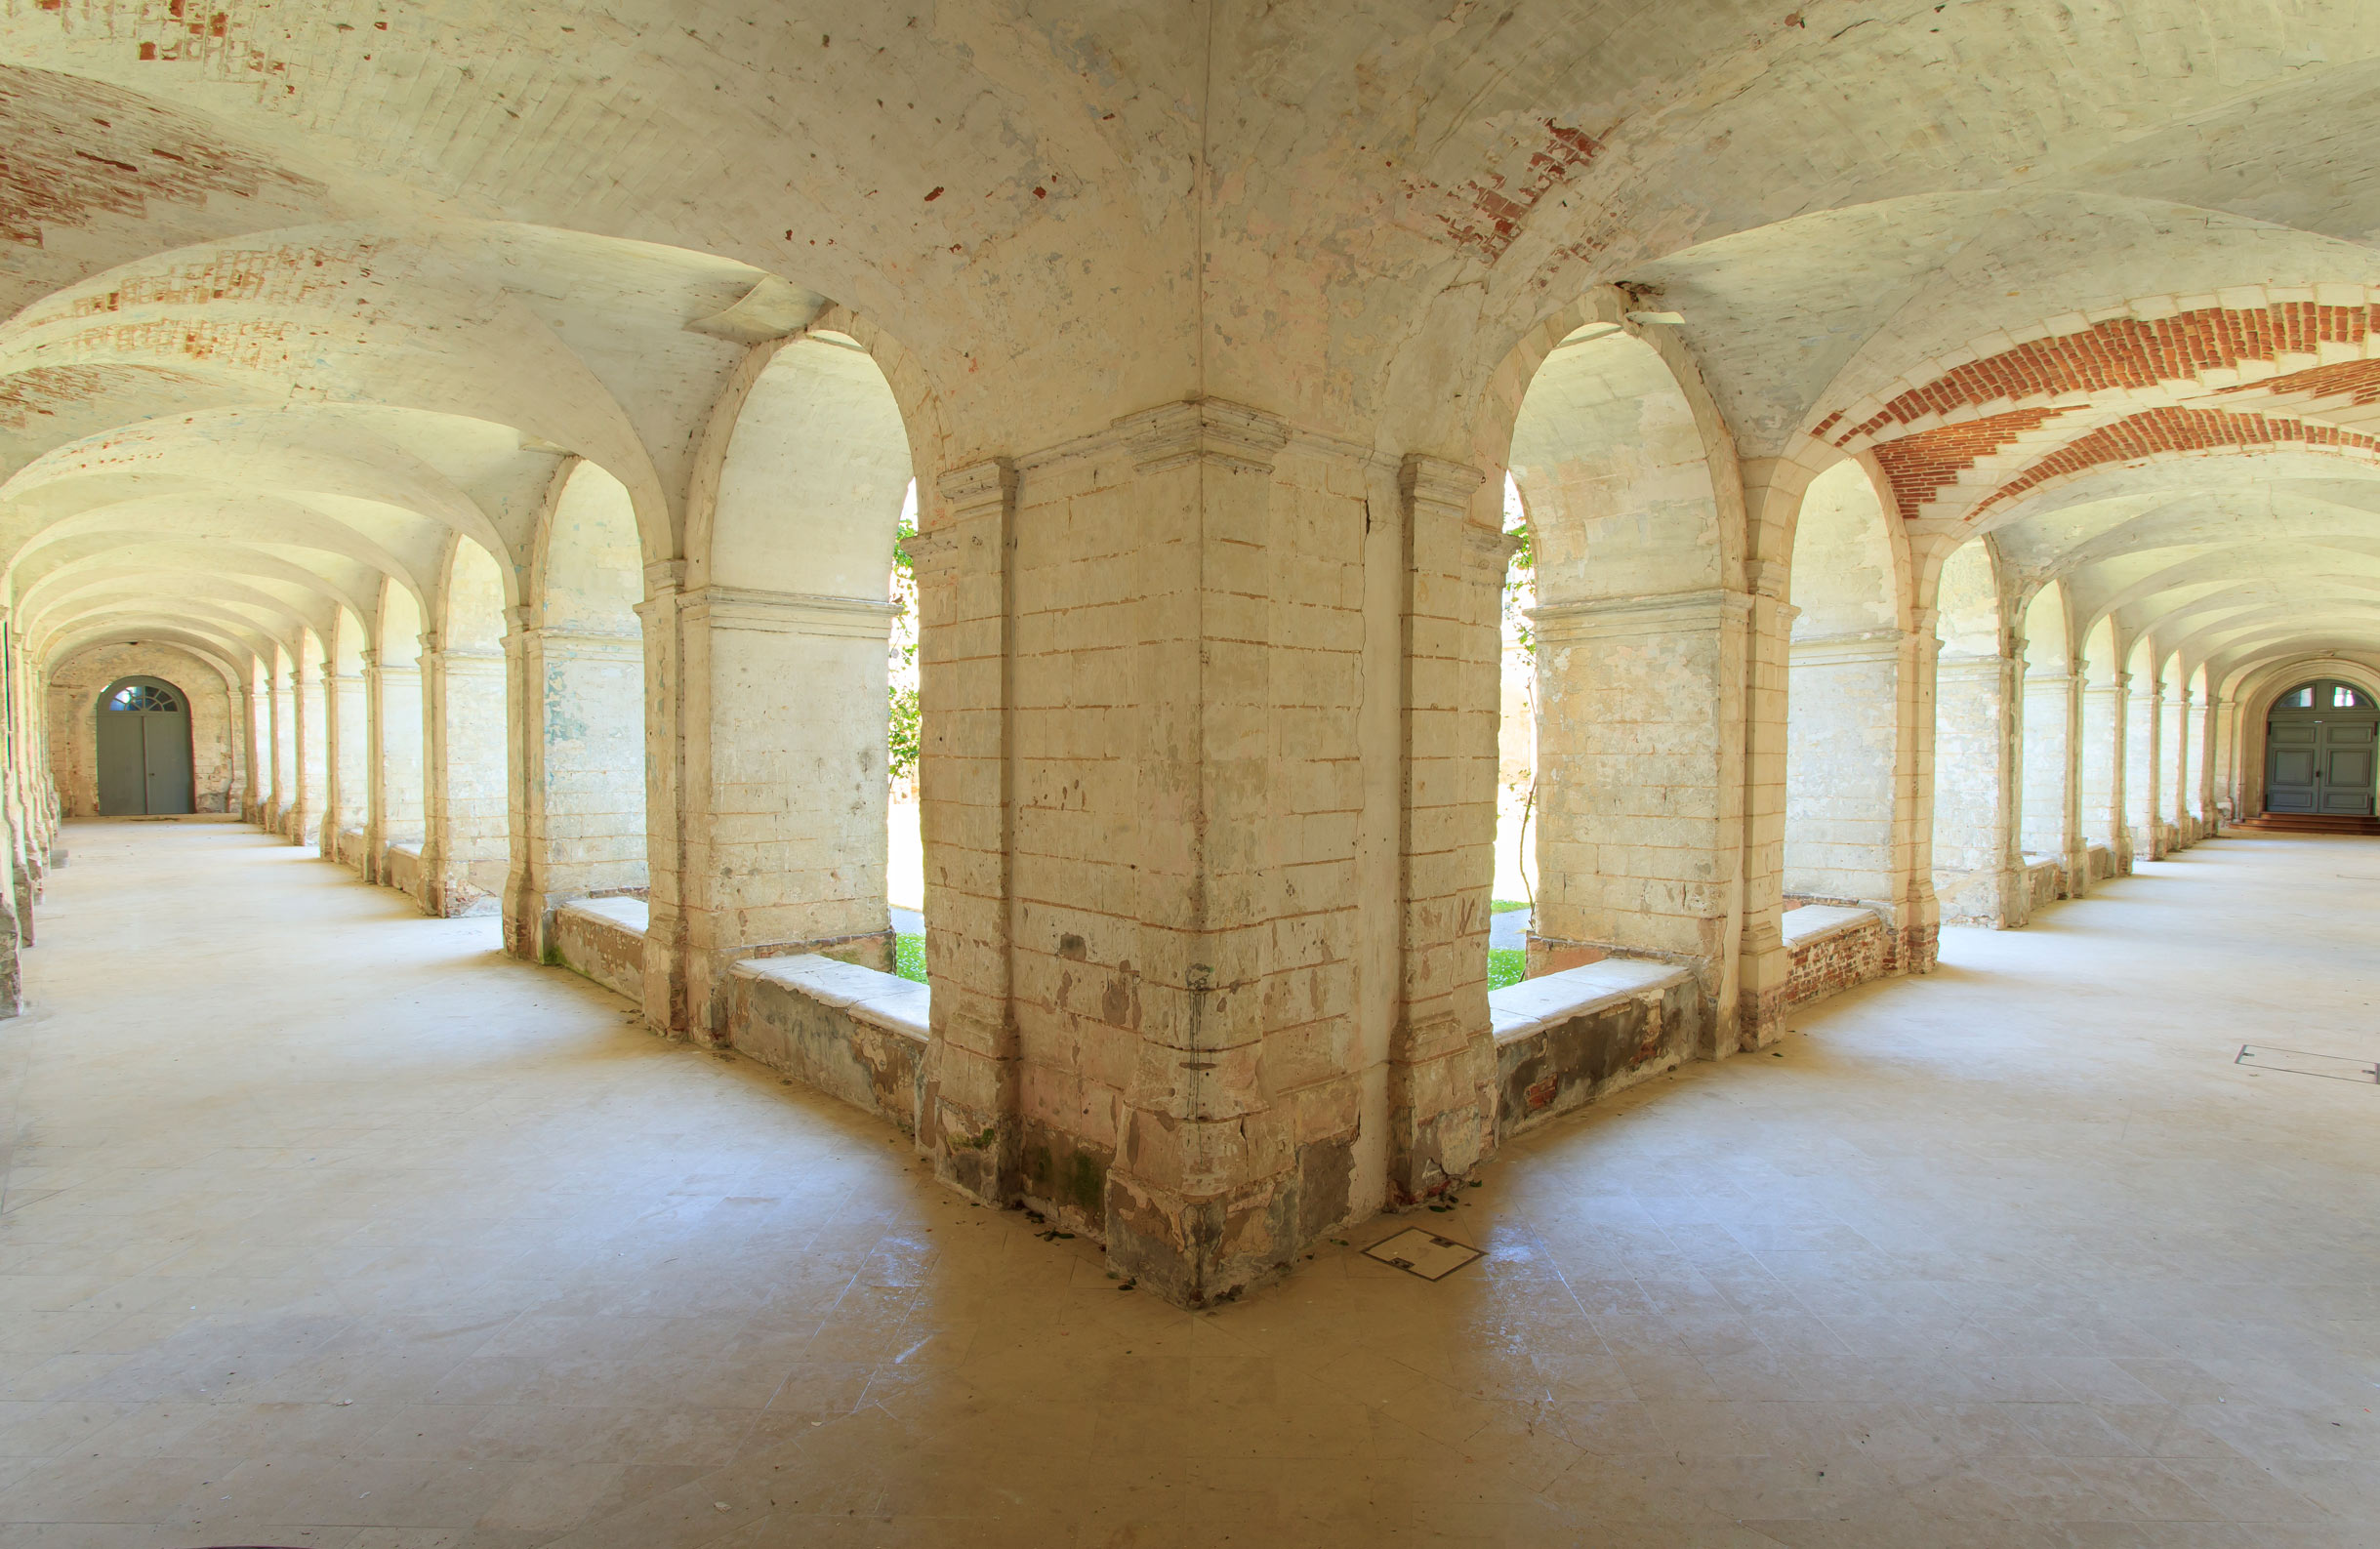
<point x="1506" y="965"/>
<point x="908" y="956"/>
<point x="1506" y="906"/>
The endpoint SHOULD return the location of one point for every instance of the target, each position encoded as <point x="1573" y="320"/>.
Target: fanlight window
<point x="2324" y="696"/>
<point x="143" y="696"/>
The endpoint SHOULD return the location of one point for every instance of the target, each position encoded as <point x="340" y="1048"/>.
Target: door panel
<point x="123" y="766"/>
<point x="166" y="749"/>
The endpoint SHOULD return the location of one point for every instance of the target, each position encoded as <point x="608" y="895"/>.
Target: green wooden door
<point x="2321" y="751"/>
<point x="143" y="748"/>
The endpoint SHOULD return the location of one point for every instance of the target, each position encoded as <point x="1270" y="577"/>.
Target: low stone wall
<point x="2102" y="863"/>
<point x="603" y="938"/>
<point x="2044" y="884"/>
<point x="849" y="1030"/>
<point x="350" y="844"/>
<point x="1565" y="1039"/>
<point x="1833" y="947"/>
<point x="400" y="868"/>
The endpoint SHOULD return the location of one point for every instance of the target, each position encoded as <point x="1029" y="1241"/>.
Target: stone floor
<point x="325" y="1225"/>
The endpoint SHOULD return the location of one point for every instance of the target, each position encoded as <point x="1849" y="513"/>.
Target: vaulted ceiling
<point x="300" y="292"/>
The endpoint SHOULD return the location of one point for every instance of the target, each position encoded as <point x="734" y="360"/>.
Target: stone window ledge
<point x="849" y="1030"/>
<point x="1565" y="1039"/>
<point x="1811" y="921"/>
<point x="623" y="914"/>
<point x="1518" y="1011"/>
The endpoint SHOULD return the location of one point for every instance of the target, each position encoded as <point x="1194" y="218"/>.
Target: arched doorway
<point x="2319" y="750"/>
<point x="144" y="749"/>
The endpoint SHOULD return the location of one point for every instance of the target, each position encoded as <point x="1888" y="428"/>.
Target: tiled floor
<point x="324" y="1225"/>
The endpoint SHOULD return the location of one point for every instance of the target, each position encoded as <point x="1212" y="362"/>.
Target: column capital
<point x="790" y="613"/>
<point x="1660" y="614"/>
<point x="1215" y="431"/>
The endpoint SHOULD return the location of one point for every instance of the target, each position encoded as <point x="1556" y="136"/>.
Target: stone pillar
<point x="2205" y="765"/>
<point x="466" y="849"/>
<point x="1979" y="859"/>
<point x="966" y="771"/>
<point x="1641" y="788"/>
<point x="2144" y="792"/>
<point x="395" y="709"/>
<point x="2102" y="766"/>
<point x="1442" y="1050"/>
<point x="2052" y="800"/>
<point x="766" y="788"/>
<point x="346" y="785"/>
<point x="577" y="772"/>
<point x="284" y="709"/>
<point x="1764" y="964"/>
<point x="256" y="731"/>
<point x="2179" y="764"/>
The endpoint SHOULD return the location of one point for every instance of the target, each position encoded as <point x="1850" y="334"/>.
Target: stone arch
<point x="206" y="684"/>
<point x="1635" y="509"/>
<point x="2052" y="705"/>
<point x="468" y="765"/>
<point x="2253" y="694"/>
<point x="779" y="630"/>
<point x="1848" y="829"/>
<point x="578" y="750"/>
<point x="2102" y="743"/>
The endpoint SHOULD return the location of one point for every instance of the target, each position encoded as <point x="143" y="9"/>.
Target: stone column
<point x="2144" y="792"/>
<point x="577" y="763"/>
<point x="346" y="787"/>
<point x="2052" y="802"/>
<point x="1764" y="964"/>
<point x="284" y="727"/>
<point x="765" y="713"/>
<point x="1441" y="1049"/>
<point x="2204" y="765"/>
<point x="2101" y="770"/>
<point x="966" y="771"/>
<point x="1641" y="790"/>
<point x="1916" y="911"/>
<point x="2179" y="762"/>
<point x="1979" y="859"/>
<point x="466" y="850"/>
<point x="256" y="731"/>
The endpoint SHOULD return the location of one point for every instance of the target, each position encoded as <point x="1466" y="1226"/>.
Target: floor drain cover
<point x="2299" y="1063"/>
<point x="1422" y="1253"/>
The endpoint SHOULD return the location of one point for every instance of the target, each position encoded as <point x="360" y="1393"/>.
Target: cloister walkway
<point x="324" y="1224"/>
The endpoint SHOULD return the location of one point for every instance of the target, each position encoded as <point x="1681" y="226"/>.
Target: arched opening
<point x="1845" y="824"/>
<point x="143" y="739"/>
<point x="905" y="837"/>
<point x="2144" y="795"/>
<point x="2320" y="749"/>
<point x="1639" y="643"/>
<point x="579" y="759"/>
<point x="783" y="793"/>
<point x="1510" y="916"/>
<point x="1975" y="774"/>
<point x="395" y="680"/>
<point x="2103" y="749"/>
<point x="470" y="852"/>
<point x="2052" y="707"/>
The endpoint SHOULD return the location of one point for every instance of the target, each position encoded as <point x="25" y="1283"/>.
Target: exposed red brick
<point x="1484" y="216"/>
<point x="1920" y="465"/>
<point x="2360" y="378"/>
<point x="2176" y="429"/>
<point x="2123" y="353"/>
